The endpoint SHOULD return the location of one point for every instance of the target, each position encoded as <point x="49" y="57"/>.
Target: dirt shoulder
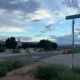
<point x="21" y="74"/>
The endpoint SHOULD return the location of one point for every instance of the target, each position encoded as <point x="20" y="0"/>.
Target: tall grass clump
<point x="56" y="72"/>
<point x="17" y="64"/>
<point x="3" y="71"/>
<point x="7" y="66"/>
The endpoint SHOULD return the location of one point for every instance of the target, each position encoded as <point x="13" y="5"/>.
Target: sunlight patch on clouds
<point x="11" y="29"/>
<point x="42" y="14"/>
<point x="52" y="39"/>
<point x="51" y="22"/>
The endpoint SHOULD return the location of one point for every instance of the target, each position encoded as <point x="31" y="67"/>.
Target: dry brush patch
<point x="24" y="73"/>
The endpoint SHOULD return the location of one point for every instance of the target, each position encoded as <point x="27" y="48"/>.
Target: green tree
<point x="32" y="45"/>
<point x="25" y="45"/>
<point x="47" y="45"/>
<point x="11" y="43"/>
<point x="44" y="44"/>
<point x="54" y="46"/>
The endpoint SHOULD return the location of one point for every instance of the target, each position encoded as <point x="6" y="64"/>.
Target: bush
<point x="56" y="72"/>
<point x="77" y="70"/>
<point x="16" y="51"/>
<point x="17" y="64"/>
<point x="3" y="71"/>
<point x="68" y="75"/>
<point x="7" y="64"/>
<point x="2" y="49"/>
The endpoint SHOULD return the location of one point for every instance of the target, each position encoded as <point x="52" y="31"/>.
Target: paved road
<point x="26" y="58"/>
<point x="64" y="58"/>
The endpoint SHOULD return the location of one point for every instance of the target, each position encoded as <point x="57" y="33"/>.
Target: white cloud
<point x="17" y="21"/>
<point x="42" y="14"/>
<point x="11" y="29"/>
<point x="51" y="22"/>
<point x="2" y="11"/>
<point x="18" y="14"/>
<point x="52" y="40"/>
<point x="71" y="10"/>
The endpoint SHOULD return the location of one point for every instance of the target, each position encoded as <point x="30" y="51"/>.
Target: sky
<point x="34" y="20"/>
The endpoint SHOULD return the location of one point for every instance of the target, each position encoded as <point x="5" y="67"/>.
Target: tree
<point x="47" y="45"/>
<point x="11" y="43"/>
<point x="44" y="44"/>
<point x="25" y="45"/>
<point x="54" y="46"/>
<point x="32" y="45"/>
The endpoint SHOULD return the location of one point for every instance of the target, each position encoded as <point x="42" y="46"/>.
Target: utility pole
<point x="73" y="17"/>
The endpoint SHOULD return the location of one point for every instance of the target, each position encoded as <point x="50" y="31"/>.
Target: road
<point x="27" y="59"/>
<point x="64" y="59"/>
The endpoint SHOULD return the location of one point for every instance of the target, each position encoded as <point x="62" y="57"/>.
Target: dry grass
<point x="22" y="73"/>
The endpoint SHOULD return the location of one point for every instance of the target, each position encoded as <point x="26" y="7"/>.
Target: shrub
<point x="3" y="71"/>
<point x="7" y="64"/>
<point x="17" y="64"/>
<point x="2" y="49"/>
<point x="49" y="71"/>
<point x="56" y="72"/>
<point x="68" y="75"/>
<point x="16" y="51"/>
<point x="77" y="70"/>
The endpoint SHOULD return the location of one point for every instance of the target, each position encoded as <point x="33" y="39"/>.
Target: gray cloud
<point x="3" y="38"/>
<point x="40" y="35"/>
<point x="42" y="31"/>
<point x="66" y="39"/>
<point x="48" y="27"/>
<point x="71" y="3"/>
<point x="29" y="6"/>
<point x="24" y="38"/>
<point x="36" y="20"/>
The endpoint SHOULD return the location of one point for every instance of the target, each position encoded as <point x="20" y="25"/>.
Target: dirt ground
<point x="21" y="74"/>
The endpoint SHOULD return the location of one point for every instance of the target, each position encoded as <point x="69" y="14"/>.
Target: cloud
<point x="41" y="15"/>
<point x="29" y="6"/>
<point x="11" y="29"/>
<point x="17" y="21"/>
<point x="51" y="22"/>
<point x="48" y="27"/>
<point x="38" y="35"/>
<point x="24" y="38"/>
<point x="35" y="20"/>
<point x="66" y="39"/>
<point x="71" y="3"/>
<point x="3" y="38"/>
<point x="42" y="31"/>
<point x="71" y="6"/>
